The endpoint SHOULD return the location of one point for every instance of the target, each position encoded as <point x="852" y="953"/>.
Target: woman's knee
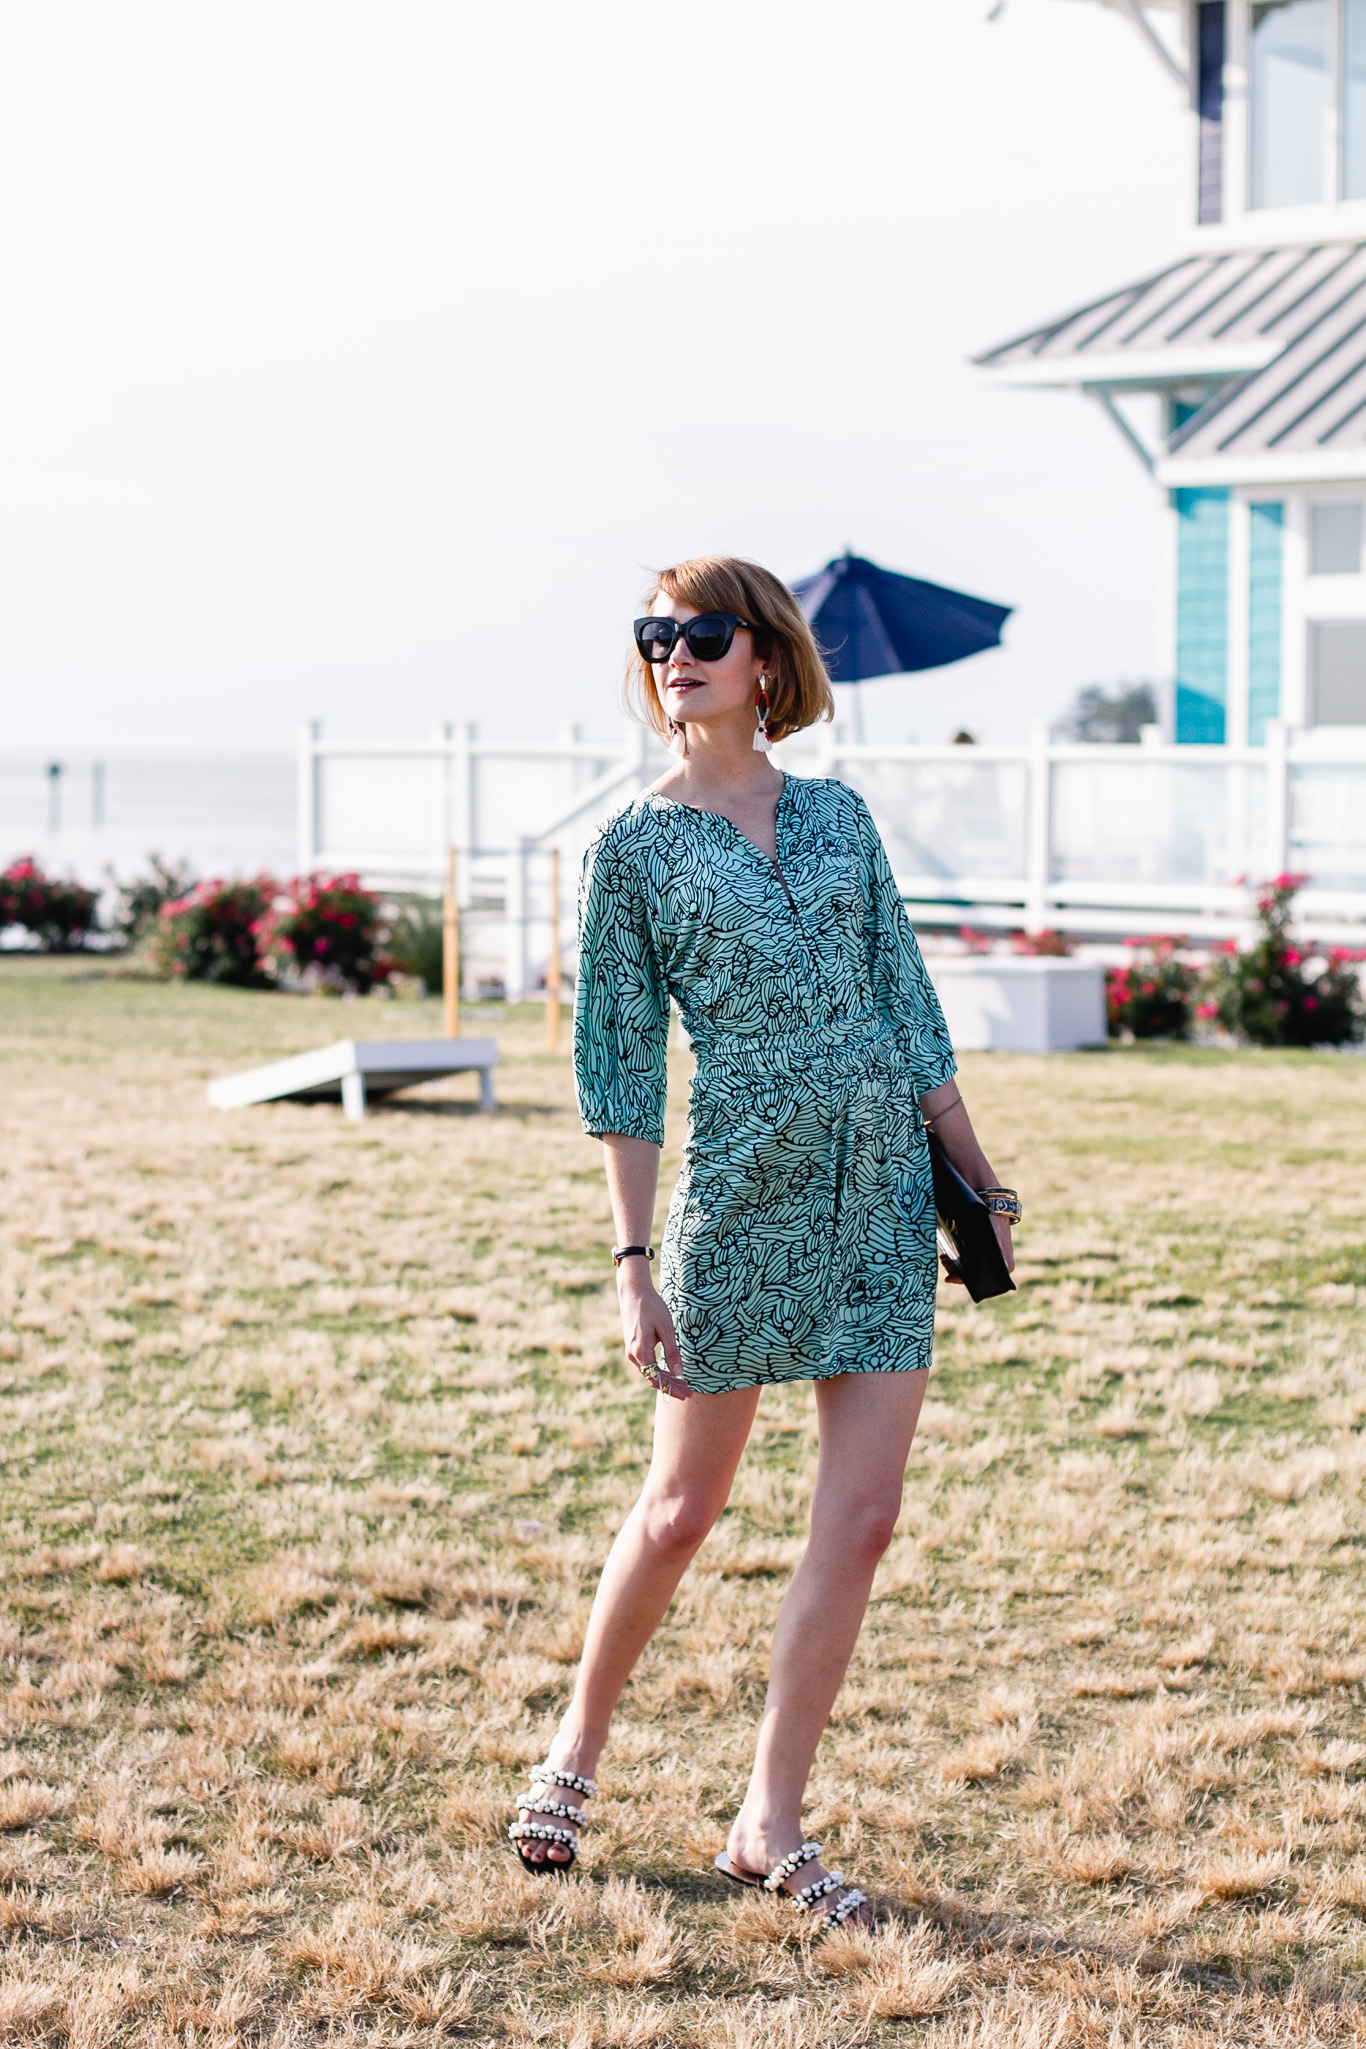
<point x="676" y="1525"/>
<point x="860" y="1529"/>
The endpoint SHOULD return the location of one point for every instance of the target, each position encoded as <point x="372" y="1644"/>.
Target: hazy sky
<point x="358" y="360"/>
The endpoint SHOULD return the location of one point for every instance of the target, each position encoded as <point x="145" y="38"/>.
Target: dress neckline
<point x="658" y="797"/>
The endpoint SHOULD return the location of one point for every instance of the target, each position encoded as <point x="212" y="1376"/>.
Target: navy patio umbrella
<point x="872" y="622"/>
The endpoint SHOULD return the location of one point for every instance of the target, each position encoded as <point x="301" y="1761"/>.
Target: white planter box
<point x="1002" y="1003"/>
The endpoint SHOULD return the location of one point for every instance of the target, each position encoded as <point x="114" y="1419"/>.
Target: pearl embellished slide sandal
<point x="539" y="1801"/>
<point x="810" y="1895"/>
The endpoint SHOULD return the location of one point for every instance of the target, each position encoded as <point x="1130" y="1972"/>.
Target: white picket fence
<point x="1092" y="840"/>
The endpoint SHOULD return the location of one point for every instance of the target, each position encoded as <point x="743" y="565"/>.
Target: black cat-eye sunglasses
<point x="708" y="636"/>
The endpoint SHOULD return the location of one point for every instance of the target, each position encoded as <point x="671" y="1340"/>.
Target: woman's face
<point x="706" y="691"/>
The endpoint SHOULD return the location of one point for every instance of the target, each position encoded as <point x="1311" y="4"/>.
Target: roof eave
<point x="1121" y="370"/>
<point x="1338" y="220"/>
<point x="1274" y="466"/>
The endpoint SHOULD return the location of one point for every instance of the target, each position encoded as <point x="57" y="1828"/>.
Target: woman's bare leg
<point x="867" y="1423"/>
<point x="698" y="1445"/>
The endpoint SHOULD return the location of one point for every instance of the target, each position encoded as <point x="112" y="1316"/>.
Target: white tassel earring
<point x="678" y="739"/>
<point x="762" y="743"/>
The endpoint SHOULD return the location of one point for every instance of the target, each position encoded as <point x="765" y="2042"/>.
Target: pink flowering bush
<point x="325" y="931"/>
<point x="209" y="934"/>
<point x="319" y="931"/>
<point x="1043" y="945"/>
<point x="1152" y="996"/>
<point x="60" y="915"/>
<point x="1276" y="993"/>
<point x="138" y="903"/>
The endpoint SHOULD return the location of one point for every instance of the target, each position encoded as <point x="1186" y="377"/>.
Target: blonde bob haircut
<point x="798" y="687"/>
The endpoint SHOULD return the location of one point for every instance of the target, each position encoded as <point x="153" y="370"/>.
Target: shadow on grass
<point x="447" y="1106"/>
<point x="986" y="1933"/>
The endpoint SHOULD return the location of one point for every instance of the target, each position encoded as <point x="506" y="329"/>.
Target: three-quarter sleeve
<point x="902" y="988"/>
<point x="621" y="1006"/>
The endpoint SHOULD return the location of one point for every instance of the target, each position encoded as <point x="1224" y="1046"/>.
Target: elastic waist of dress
<point x="766" y="1052"/>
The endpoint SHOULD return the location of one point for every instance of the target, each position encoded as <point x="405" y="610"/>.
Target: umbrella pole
<point x="857" y="720"/>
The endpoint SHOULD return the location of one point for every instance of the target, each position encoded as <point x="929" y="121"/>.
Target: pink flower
<point x="1207" y="1010"/>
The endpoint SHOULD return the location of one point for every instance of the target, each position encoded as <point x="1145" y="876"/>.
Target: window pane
<point x="1335" y="540"/>
<point x="1264" y="619"/>
<point x="1338" y="667"/>
<point x="1201" y="613"/>
<point x="1354" y="99"/>
<point x="1289" y="100"/>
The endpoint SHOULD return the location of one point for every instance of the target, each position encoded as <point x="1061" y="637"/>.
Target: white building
<point x="1253" y="341"/>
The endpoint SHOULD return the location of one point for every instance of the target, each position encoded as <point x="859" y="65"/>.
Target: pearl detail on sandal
<point x="792" y="1862"/>
<point x="819" y="1889"/>
<point x="544" y="1775"/>
<point x="539" y="1802"/>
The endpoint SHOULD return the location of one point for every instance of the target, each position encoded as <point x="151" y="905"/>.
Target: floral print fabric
<point x="800" y="1241"/>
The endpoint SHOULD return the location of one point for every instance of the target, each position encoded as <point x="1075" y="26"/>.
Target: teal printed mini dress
<point x="800" y="1242"/>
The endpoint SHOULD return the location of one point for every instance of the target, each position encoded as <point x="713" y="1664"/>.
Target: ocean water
<point x="224" y="814"/>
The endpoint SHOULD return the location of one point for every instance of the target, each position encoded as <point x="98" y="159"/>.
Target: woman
<point x="800" y="1242"/>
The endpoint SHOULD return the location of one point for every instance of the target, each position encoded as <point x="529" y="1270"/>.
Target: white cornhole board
<point x="355" y="1069"/>
<point x="1005" y="1003"/>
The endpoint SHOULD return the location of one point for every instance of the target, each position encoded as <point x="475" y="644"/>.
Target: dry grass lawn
<point x="315" y="1434"/>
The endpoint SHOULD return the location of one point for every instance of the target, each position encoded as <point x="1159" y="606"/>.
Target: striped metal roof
<point x="1281" y="332"/>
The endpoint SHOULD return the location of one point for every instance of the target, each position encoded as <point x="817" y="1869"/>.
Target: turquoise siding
<point x="1264" y="621"/>
<point x="1201" y="614"/>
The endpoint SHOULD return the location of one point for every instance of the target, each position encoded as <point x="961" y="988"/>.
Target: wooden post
<point x="450" y="951"/>
<point x="552" y="972"/>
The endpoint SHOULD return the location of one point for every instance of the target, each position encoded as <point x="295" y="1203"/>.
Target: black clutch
<point x="967" y="1237"/>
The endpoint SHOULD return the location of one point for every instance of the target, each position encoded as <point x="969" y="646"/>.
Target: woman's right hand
<point x="647" y="1324"/>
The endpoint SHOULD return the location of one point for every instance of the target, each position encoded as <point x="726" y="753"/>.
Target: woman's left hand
<point x="1003" y="1238"/>
<point x="945" y="1108"/>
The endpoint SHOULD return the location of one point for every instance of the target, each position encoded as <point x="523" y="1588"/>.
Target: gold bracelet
<point x="1003" y="1202"/>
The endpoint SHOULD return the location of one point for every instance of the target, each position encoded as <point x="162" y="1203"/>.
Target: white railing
<point x="1108" y="840"/>
<point x="391" y="811"/>
<point x="1092" y="840"/>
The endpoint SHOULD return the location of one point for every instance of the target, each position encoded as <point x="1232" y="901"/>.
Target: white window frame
<point x="1305" y="598"/>
<point x="1238" y="112"/>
